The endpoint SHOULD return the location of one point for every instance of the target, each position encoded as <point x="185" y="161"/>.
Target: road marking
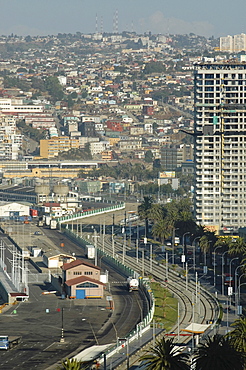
<point x="49" y="346"/>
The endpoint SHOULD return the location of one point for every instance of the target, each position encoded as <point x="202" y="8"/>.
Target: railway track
<point x="195" y="303"/>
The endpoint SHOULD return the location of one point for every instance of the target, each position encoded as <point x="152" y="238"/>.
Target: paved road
<point x="86" y="322"/>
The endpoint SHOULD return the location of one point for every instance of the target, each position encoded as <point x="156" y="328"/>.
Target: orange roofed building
<point x="82" y="280"/>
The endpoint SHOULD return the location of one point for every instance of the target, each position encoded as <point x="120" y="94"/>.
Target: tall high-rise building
<point x="234" y="43"/>
<point x="220" y="145"/>
<point x="226" y="43"/>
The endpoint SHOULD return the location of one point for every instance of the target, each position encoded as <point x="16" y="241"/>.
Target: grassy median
<point x="166" y="307"/>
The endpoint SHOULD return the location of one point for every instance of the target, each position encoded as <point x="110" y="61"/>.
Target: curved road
<point x="86" y="322"/>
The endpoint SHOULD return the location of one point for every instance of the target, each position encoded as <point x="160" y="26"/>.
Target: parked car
<point x="228" y="280"/>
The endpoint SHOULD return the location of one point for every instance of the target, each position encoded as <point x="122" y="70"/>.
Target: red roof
<point x="82" y="279"/>
<point x="18" y="295"/>
<point x="78" y="262"/>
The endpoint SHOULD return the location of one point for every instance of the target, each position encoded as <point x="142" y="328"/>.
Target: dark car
<point x="228" y="280"/>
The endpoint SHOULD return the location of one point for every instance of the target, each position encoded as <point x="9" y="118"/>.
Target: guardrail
<point x="93" y="212"/>
<point x="137" y="332"/>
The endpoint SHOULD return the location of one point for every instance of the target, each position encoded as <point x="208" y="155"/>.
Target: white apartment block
<point x="98" y="147"/>
<point x="240" y="42"/>
<point x="10" y="142"/>
<point x="232" y="44"/>
<point x="220" y="145"/>
<point x="16" y="107"/>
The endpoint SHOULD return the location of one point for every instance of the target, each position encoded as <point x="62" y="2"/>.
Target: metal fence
<point x="39" y="277"/>
<point x="94" y="212"/>
<point x="143" y="325"/>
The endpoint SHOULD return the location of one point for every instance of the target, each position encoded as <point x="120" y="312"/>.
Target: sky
<point x="49" y="17"/>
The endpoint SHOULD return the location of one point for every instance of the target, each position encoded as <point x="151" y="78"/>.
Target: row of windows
<point x="81" y="273"/>
<point x="233" y="76"/>
<point x="87" y="285"/>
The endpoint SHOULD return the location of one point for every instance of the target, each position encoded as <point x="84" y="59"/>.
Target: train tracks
<point x="196" y="304"/>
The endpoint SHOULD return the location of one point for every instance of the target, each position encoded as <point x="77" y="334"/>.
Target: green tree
<point x="54" y="88"/>
<point x="164" y="356"/>
<point x="73" y="364"/>
<point x="38" y="84"/>
<point x="237" y="336"/>
<point x="237" y="247"/>
<point x="154" y="67"/>
<point x="143" y="211"/>
<point x="204" y="246"/>
<point x="148" y="156"/>
<point x="217" y="353"/>
<point x="162" y="230"/>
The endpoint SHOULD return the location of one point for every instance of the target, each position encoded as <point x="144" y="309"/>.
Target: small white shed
<point x="56" y="259"/>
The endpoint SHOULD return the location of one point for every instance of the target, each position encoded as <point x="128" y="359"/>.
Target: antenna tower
<point x="96" y="24"/>
<point x="116" y="21"/>
<point x="101" y="24"/>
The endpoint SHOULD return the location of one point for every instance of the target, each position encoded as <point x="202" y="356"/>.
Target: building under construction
<point x="220" y="145"/>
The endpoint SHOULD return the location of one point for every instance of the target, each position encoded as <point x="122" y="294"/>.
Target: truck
<point x="90" y="251"/>
<point x="40" y="223"/>
<point x="53" y="224"/>
<point x="7" y="342"/>
<point x="132" y="284"/>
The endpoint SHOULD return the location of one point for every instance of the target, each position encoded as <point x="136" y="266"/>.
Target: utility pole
<point x="95" y="236"/>
<point x="143" y="263"/>
<point x="151" y="252"/>
<point x="137" y="241"/>
<point x="62" y="340"/>
<point x="173" y="240"/>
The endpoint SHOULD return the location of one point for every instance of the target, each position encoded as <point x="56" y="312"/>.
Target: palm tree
<point x="237" y="247"/>
<point x="162" y="230"/>
<point x="204" y="245"/>
<point x="73" y="364"/>
<point x="217" y="353"/>
<point x="237" y="336"/>
<point x="225" y="243"/>
<point x="144" y="210"/>
<point x="157" y="212"/>
<point x="165" y="356"/>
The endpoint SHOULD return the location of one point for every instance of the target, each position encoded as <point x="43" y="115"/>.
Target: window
<point x="88" y="273"/>
<point x="87" y="285"/>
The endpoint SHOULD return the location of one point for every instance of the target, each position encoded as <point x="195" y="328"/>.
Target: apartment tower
<point x="220" y="145"/>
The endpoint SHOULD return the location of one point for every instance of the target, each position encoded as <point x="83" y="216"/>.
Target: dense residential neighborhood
<point x="117" y="187"/>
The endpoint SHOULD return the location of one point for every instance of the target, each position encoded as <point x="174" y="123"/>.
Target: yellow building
<point x="50" y="148"/>
<point x="113" y="140"/>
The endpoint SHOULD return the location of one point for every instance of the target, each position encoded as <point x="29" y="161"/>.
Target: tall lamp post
<point x="184" y="246"/>
<point x="236" y="282"/>
<point x="173" y="242"/>
<point x="194" y="252"/>
<point x="62" y="340"/>
<point x="219" y="246"/>
<point x="222" y="275"/>
<point x="239" y="285"/>
<point x="233" y="259"/>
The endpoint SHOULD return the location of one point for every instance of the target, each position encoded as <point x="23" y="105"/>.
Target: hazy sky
<point x="203" y="17"/>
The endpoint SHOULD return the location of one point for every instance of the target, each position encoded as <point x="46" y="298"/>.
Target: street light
<point x="236" y="282"/>
<point x="194" y="252"/>
<point x="183" y="247"/>
<point x="222" y="276"/>
<point x="239" y="285"/>
<point x="62" y="340"/>
<point x="219" y="246"/>
<point x="233" y="259"/>
<point x="173" y="242"/>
